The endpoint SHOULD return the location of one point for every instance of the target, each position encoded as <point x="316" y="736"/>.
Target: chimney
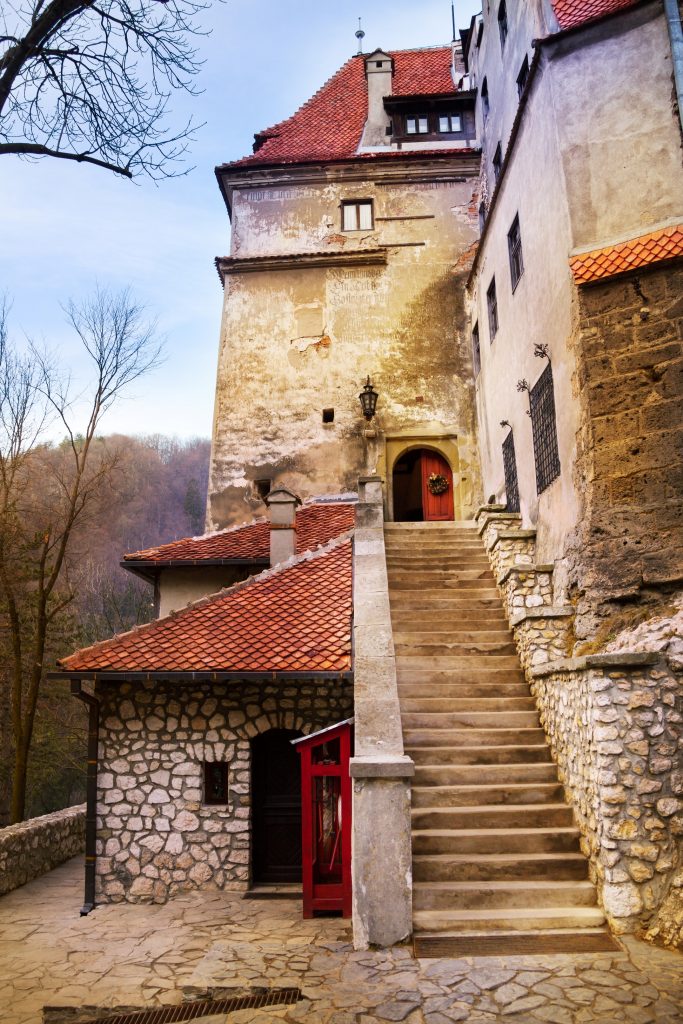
<point x="379" y="68"/>
<point x="282" y="507"/>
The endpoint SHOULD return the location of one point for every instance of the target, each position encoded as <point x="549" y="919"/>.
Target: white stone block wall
<point x="155" y="835"/>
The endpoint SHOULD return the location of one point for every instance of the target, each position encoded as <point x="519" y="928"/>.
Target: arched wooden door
<point x="276" y="807"/>
<point x="436" y="506"/>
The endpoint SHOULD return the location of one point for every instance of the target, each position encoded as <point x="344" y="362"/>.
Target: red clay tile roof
<point x="315" y="524"/>
<point x="665" y="244"/>
<point x="571" y="13"/>
<point x="294" y="618"/>
<point x="329" y="125"/>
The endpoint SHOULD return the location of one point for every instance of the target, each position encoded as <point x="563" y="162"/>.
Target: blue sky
<point x="64" y="227"/>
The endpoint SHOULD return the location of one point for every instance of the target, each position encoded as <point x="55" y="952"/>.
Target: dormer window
<point x="450" y="123"/>
<point x="357" y="215"/>
<point x="417" y="124"/>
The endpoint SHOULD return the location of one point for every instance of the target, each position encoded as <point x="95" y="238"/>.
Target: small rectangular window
<point x="492" y="307"/>
<point x="357" y="215"/>
<point x="476" y="350"/>
<point x="328" y="415"/>
<point x="522" y="76"/>
<point x="450" y="123"/>
<point x="417" y="124"/>
<point x="482" y="216"/>
<point x="515" y="253"/>
<point x="510" y="470"/>
<point x="544" y="430"/>
<point x="485" y="98"/>
<point x="497" y="162"/>
<point x="215" y="782"/>
<point x="503" y="23"/>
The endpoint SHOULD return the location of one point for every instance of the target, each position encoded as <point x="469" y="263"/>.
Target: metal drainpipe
<point x="91" y="794"/>
<point x="673" y="21"/>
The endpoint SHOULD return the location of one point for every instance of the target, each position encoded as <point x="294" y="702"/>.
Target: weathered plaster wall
<point x="156" y="836"/>
<point x="181" y="586"/>
<point x="34" y="847"/>
<point x="295" y="341"/>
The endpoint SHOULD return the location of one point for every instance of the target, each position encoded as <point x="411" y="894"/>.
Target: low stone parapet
<point x="34" y="847"/>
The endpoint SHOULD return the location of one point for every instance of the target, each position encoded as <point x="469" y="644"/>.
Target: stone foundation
<point x="34" y="847"/>
<point x="156" y="835"/>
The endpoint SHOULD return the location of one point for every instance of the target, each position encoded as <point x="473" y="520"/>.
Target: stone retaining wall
<point x="156" y="835"/>
<point x="34" y="847"/>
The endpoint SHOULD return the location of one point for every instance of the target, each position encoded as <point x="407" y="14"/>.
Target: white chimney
<point x="282" y="508"/>
<point x="379" y="68"/>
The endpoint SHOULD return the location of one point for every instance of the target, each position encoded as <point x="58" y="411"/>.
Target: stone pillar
<point x="381" y="773"/>
<point x="282" y="508"/>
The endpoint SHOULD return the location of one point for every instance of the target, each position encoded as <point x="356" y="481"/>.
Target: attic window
<point x="417" y="124"/>
<point x="450" y="123"/>
<point x="357" y="215"/>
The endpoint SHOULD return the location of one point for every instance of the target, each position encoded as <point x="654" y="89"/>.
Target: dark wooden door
<point x="276" y="807"/>
<point x="436" y="506"/>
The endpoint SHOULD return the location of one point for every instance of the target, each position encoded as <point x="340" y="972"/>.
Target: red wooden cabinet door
<point x="436" y="506"/>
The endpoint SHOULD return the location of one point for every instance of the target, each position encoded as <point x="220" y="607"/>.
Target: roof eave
<point x="125" y="676"/>
<point x="139" y="566"/>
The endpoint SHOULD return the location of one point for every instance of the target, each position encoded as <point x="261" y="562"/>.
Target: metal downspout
<point x="91" y="794"/>
<point x="673" y="21"/>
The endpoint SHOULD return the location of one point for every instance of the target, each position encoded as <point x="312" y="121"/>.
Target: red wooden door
<point x="436" y="506"/>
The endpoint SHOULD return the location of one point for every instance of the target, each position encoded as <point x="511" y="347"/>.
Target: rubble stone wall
<point x="156" y="836"/>
<point x="36" y="846"/>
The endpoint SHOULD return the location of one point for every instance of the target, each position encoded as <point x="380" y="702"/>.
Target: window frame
<point x="417" y="118"/>
<point x="357" y="203"/>
<point x="224" y="799"/>
<point x="523" y="76"/>
<point x="510" y="473"/>
<point x="476" y="349"/>
<point x="544" y="430"/>
<point x="485" y="102"/>
<point x="515" y="253"/>
<point x="492" y="309"/>
<point x="497" y="163"/>
<point x="450" y="118"/>
<point x="503" y="29"/>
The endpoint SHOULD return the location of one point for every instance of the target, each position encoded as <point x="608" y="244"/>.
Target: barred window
<point x="544" y="430"/>
<point x="492" y="306"/>
<point x="215" y="782"/>
<point x="515" y="252"/>
<point x="522" y="76"/>
<point x="510" y="470"/>
<point x="503" y="23"/>
<point x="497" y="162"/>
<point x="476" y="350"/>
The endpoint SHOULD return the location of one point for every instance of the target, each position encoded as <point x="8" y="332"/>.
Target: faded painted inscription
<point x="276" y="194"/>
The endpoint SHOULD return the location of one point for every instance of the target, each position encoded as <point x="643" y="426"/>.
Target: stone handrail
<point x="34" y="847"/>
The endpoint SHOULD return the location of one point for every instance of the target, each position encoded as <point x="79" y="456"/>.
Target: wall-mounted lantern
<point x="368" y="400"/>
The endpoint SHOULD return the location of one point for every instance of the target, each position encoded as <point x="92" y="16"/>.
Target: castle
<point x="481" y="561"/>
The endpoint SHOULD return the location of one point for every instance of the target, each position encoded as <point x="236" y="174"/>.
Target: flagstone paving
<point x="207" y="943"/>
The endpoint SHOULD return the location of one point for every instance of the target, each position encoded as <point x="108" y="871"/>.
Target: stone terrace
<point x="141" y="955"/>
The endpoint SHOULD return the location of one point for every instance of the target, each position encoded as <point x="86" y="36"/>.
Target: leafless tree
<point x="90" y="80"/>
<point x="46" y="492"/>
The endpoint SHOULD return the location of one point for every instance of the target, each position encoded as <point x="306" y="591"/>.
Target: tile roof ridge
<point x="202" y="536"/>
<point x="275" y="570"/>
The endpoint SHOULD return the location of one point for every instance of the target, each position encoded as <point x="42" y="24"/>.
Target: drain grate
<point x="514" y="944"/>
<point x="202" y="1008"/>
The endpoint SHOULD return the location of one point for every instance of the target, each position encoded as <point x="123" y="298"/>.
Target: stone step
<point x="449" y="705"/>
<point x="485" y="775"/>
<point x="508" y="794"/>
<point x="439" y="577"/>
<point x="473" y="737"/>
<point x="451" y="663"/>
<point x="448" y="720"/>
<point x="413" y="583"/>
<point x="462" y="867"/>
<point x="517" y="919"/>
<point x="464" y="649"/>
<point x="504" y="895"/>
<point x="481" y="755"/>
<point x="442" y="620"/>
<point x="445" y="563"/>
<point x="492" y="816"/>
<point x="410" y="688"/>
<point x="507" y="841"/>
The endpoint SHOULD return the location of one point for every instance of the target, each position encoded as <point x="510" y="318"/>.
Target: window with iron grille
<point x="522" y="76"/>
<point x="544" y="430"/>
<point x="476" y="350"/>
<point x="485" y="98"/>
<point x="510" y="470"/>
<point x="215" y="782"/>
<point x="503" y="24"/>
<point x="497" y="162"/>
<point x="515" y="253"/>
<point x="492" y="306"/>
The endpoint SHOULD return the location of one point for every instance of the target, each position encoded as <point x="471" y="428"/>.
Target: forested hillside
<point x="155" y="492"/>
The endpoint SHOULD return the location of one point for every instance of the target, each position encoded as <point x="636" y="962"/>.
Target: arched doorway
<point x="414" y="497"/>
<point x="276" y="807"/>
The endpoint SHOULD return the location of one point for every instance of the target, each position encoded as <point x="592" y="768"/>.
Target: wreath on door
<point x="437" y="484"/>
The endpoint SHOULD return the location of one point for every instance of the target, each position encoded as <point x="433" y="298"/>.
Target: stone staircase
<point x="495" y="849"/>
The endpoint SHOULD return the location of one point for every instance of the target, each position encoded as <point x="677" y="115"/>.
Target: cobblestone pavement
<point x="137" y="955"/>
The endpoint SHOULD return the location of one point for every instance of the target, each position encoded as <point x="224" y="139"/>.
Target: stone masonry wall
<point x="36" y="846"/>
<point x="629" y="470"/>
<point x="156" y="837"/>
